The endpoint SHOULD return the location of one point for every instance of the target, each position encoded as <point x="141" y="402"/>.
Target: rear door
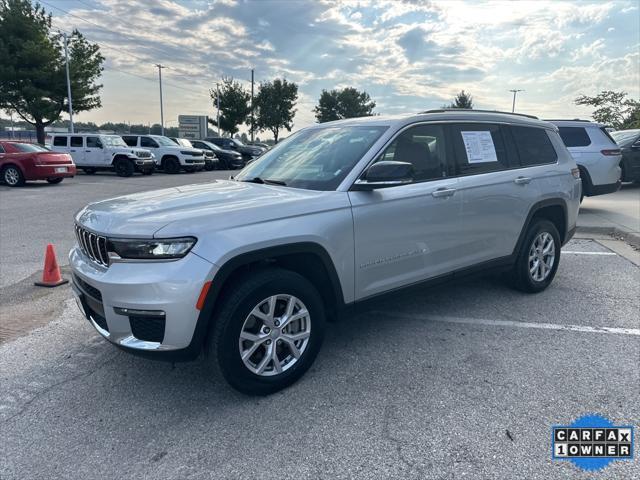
<point x="495" y="192"/>
<point x="76" y="150"/>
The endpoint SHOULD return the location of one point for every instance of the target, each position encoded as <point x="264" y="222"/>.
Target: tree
<point x="462" y="100"/>
<point x="613" y="109"/>
<point x="32" y="67"/>
<point x="274" y="106"/>
<point x="234" y="105"/>
<point x="345" y="103"/>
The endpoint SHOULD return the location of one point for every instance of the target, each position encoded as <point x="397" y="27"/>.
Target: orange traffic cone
<point x="51" y="276"/>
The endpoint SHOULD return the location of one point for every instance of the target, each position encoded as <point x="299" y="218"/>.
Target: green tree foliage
<point x="234" y="105"/>
<point x="345" y="103"/>
<point x="32" y="66"/>
<point x="462" y="100"/>
<point x="274" y="106"/>
<point x="613" y="109"/>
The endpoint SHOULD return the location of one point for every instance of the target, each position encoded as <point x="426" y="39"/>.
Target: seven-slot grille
<point x="93" y="246"/>
<point x="143" y="154"/>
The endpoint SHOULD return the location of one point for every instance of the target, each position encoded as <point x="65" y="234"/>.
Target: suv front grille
<point x="93" y="246"/>
<point x="144" y="154"/>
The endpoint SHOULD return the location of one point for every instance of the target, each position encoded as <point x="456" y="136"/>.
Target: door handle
<point x="522" y="180"/>
<point x="73" y="151"/>
<point x="88" y="151"/>
<point x="443" y="192"/>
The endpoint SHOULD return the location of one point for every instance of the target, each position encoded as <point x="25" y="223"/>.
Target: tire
<point x="540" y="231"/>
<point x="89" y="171"/>
<point x="244" y="296"/>
<point x="55" y="181"/>
<point x="148" y="171"/>
<point x="209" y="166"/>
<point x="123" y="167"/>
<point x="171" y="165"/>
<point x="12" y="176"/>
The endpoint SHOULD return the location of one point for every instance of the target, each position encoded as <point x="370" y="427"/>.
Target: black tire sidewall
<point x="171" y="165"/>
<point x="524" y="279"/>
<point x="233" y="317"/>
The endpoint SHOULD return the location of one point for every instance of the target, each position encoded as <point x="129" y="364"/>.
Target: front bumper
<point x="166" y="291"/>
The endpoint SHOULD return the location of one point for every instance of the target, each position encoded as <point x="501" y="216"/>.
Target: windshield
<point x="29" y="147"/>
<point x="185" y="143"/>
<point x="316" y="158"/>
<point x="624" y="137"/>
<point x="237" y="142"/>
<point x="164" y="141"/>
<point x="113" y="141"/>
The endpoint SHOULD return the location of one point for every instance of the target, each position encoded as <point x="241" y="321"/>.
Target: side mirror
<point x="385" y="174"/>
<point x="636" y="146"/>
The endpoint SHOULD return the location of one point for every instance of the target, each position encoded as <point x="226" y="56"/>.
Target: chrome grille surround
<point x="92" y="245"/>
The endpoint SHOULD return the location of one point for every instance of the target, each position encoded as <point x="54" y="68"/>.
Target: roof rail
<point x="566" y="120"/>
<point x="442" y="110"/>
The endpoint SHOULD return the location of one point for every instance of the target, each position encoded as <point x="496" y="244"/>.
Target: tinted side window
<point x="479" y="148"/>
<point x="93" y="142"/>
<point x="1" y="149"/>
<point x="574" y="136"/>
<point x="424" y="147"/>
<point x="148" y="142"/>
<point x="534" y="146"/>
<point x="131" y="141"/>
<point x="76" y="141"/>
<point x="60" y="141"/>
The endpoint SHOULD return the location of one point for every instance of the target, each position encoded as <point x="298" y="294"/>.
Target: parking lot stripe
<point x="589" y="253"/>
<point x="510" y="323"/>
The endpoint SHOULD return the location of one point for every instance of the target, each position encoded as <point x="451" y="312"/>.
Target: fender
<point x="549" y="202"/>
<point x="231" y="265"/>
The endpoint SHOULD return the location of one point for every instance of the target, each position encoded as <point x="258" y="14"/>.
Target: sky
<point x="409" y="56"/>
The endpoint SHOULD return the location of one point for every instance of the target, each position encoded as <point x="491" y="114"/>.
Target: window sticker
<point x="479" y="147"/>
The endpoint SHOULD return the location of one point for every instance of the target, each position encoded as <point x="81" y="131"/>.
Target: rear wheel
<point x="124" y="167"/>
<point x="538" y="258"/>
<point x="267" y="332"/>
<point x="54" y="180"/>
<point x="12" y="176"/>
<point x="171" y="165"/>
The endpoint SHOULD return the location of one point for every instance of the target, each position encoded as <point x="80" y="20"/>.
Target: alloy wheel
<point x="542" y="256"/>
<point x="11" y="176"/>
<point x="275" y="335"/>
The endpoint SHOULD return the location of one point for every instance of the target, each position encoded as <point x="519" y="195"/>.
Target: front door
<point x="94" y="153"/>
<point x="408" y="233"/>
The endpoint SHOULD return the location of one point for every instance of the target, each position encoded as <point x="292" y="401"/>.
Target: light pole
<point x="160" y="67"/>
<point x="218" y="108"/>
<point x="252" y="119"/>
<point x="513" y="106"/>
<point x="66" y="60"/>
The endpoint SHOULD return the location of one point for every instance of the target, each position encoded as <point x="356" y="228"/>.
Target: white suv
<point x="170" y="156"/>
<point x="336" y="214"/>
<point x="92" y="152"/>
<point x="597" y="154"/>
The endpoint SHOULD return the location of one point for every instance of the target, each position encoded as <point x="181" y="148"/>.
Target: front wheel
<point x="267" y="332"/>
<point x="538" y="258"/>
<point x="124" y="167"/>
<point x="54" y="180"/>
<point x="171" y="165"/>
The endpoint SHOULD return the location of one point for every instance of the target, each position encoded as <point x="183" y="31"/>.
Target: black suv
<point x="248" y="152"/>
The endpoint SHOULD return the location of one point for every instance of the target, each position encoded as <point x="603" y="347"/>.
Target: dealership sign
<point x="192" y="126"/>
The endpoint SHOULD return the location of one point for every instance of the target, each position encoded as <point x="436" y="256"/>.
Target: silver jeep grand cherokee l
<point x="250" y="269"/>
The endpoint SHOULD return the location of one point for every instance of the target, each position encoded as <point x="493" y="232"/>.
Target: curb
<point x="632" y="238"/>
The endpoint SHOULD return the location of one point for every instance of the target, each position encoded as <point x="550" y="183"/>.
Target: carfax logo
<point x="592" y="442"/>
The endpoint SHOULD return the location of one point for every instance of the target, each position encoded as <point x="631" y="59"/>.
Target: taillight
<point x="575" y="172"/>
<point x="611" y="153"/>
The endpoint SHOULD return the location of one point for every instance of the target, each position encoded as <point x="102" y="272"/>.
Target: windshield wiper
<point x="265" y="180"/>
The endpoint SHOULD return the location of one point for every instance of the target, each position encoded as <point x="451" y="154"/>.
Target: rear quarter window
<point x="534" y="146"/>
<point x="479" y="148"/>
<point x="574" y="136"/>
<point x="60" y="141"/>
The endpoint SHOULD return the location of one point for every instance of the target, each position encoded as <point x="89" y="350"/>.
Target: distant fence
<point x="22" y="135"/>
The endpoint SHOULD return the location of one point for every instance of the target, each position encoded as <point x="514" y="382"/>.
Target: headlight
<point x="142" y="249"/>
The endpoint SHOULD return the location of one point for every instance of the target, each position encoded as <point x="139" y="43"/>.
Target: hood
<point x="189" y="209"/>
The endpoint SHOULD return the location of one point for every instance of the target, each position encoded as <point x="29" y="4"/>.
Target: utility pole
<point x="515" y="91"/>
<point x="252" y="118"/>
<point x="13" y="133"/>
<point x="218" y="107"/>
<point x="66" y="60"/>
<point x="160" y="67"/>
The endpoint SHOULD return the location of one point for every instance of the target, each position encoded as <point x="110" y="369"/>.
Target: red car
<point x="20" y="161"/>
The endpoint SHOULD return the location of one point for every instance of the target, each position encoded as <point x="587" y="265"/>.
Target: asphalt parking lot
<point x="460" y="381"/>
